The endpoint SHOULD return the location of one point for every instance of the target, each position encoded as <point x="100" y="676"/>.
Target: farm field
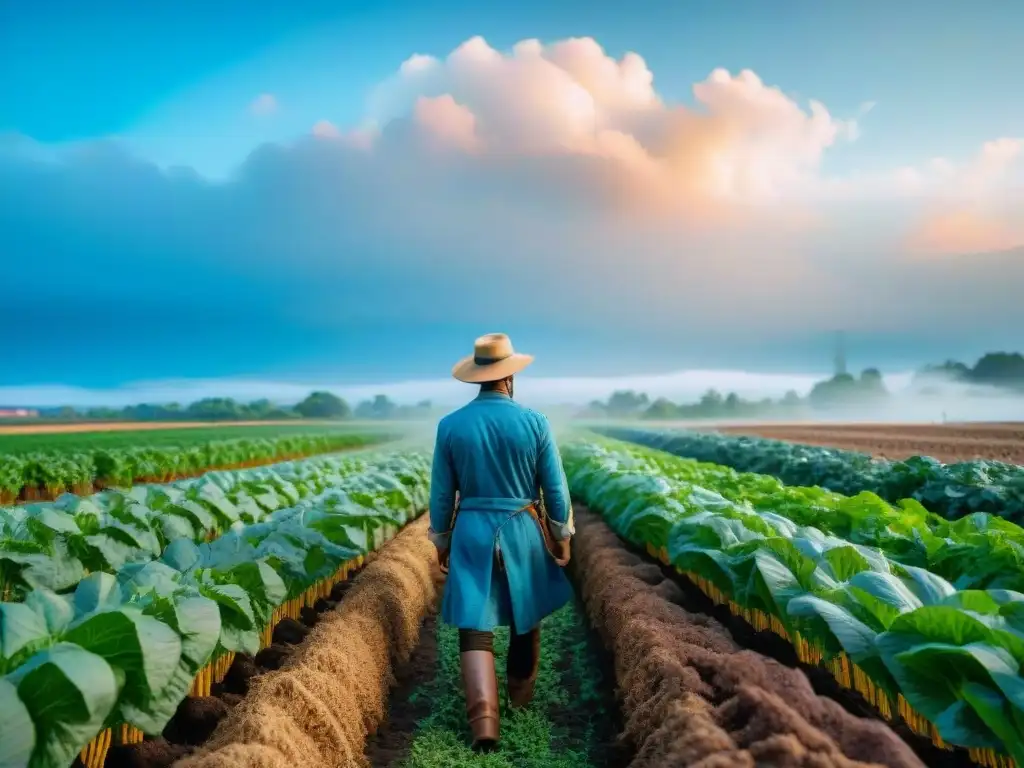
<point x="40" y="427"/>
<point x="287" y="615"/>
<point x="952" y="490"/>
<point x="42" y="466"/>
<point x="946" y="442"/>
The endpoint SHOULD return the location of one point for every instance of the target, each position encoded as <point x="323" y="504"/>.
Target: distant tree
<point x="215" y="409"/>
<point x="626" y="402"/>
<point x="711" y="401"/>
<point x="1000" y="369"/>
<point x="951" y="369"/>
<point x="661" y="409"/>
<point x="732" y="402"/>
<point x="791" y="399"/>
<point x="377" y="409"/>
<point x="871" y="382"/>
<point x="323" y="405"/>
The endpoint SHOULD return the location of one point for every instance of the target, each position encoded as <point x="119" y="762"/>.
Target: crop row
<point x="951" y="490"/>
<point x="48" y="474"/>
<point x="691" y="695"/>
<point x="945" y="656"/>
<point x="53" y="545"/>
<point x="317" y="711"/>
<point x="99" y="656"/>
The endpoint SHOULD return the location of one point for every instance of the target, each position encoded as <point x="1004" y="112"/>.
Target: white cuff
<point x="561" y="531"/>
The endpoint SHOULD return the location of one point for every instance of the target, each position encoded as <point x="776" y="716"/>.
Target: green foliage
<point x="928" y="608"/>
<point x="121" y="463"/>
<point x="323" y="405"/>
<point x="530" y="738"/>
<point x="951" y="490"/>
<point x="124" y="644"/>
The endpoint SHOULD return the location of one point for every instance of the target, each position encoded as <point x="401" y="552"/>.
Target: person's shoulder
<point x="454" y="418"/>
<point x="537" y="419"/>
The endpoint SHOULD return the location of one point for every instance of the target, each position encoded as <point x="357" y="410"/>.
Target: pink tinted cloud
<point x="744" y="153"/>
<point x="264" y="104"/>
<point x="976" y="207"/>
<point x="743" y="142"/>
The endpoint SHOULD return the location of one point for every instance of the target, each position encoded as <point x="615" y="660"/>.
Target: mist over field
<point x="936" y="400"/>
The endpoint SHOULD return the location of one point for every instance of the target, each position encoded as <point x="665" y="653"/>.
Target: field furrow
<point x="692" y="696"/>
<point x="917" y="614"/>
<point x="319" y="707"/>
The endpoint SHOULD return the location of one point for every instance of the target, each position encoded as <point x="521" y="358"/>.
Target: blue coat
<point x="497" y="454"/>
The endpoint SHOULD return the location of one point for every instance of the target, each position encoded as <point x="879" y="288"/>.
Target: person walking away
<point x="501" y="519"/>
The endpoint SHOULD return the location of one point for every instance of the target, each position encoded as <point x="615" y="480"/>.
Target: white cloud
<point x="745" y="151"/>
<point x="264" y="104"/>
<point x="745" y="141"/>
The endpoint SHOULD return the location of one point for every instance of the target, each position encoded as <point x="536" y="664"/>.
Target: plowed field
<point x="946" y="442"/>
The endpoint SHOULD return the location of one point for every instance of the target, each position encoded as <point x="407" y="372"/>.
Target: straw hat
<point x="493" y="359"/>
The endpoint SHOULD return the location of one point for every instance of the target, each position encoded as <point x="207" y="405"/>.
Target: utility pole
<point x="840" y="359"/>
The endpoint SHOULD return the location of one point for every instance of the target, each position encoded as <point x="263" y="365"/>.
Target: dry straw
<point x="317" y="710"/>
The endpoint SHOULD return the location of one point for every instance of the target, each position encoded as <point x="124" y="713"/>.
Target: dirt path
<point x="571" y="723"/>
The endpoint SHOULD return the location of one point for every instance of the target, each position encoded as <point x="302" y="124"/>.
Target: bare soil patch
<point x="948" y="443"/>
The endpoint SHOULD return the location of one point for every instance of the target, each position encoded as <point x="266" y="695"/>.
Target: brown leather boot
<point x="480" y="682"/>
<point x="523" y="652"/>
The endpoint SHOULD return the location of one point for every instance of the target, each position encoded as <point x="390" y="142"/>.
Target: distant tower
<point x="840" y="361"/>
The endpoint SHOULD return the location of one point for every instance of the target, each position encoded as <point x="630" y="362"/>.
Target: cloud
<point x="743" y="142"/>
<point x="979" y="206"/>
<point x="549" y="191"/>
<point x="263" y="105"/>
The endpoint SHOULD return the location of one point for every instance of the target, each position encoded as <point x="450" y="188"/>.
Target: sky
<point x="261" y="196"/>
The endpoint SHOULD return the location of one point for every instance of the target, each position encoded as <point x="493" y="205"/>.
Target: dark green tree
<point x="323" y="405"/>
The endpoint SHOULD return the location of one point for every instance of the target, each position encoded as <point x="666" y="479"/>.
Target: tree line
<point x="1003" y="370"/>
<point x="995" y="369"/>
<point x="317" y="405"/>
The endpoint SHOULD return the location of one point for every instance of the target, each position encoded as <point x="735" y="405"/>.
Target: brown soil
<point x="331" y="691"/>
<point x="948" y="443"/>
<point x="693" y="696"/>
<point x="393" y="739"/>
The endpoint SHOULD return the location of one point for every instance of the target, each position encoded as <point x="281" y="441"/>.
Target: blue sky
<point x="156" y="225"/>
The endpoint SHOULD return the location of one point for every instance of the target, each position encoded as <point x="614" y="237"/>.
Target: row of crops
<point x="952" y="490"/>
<point x="923" y="616"/>
<point x="119" y="605"/>
<point x="45" y="474"/>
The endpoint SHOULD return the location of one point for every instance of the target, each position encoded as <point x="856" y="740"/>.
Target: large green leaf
<point x="69" y="693"/>
<point x="97" y="592"/>
<point x="21" y="629"/>
<point x="145" y="649"/>
<point x="856" y="638"/>
<point x="197" y="621"/>
<point x="56" y="610"/>
<point x="17" y="731"/>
